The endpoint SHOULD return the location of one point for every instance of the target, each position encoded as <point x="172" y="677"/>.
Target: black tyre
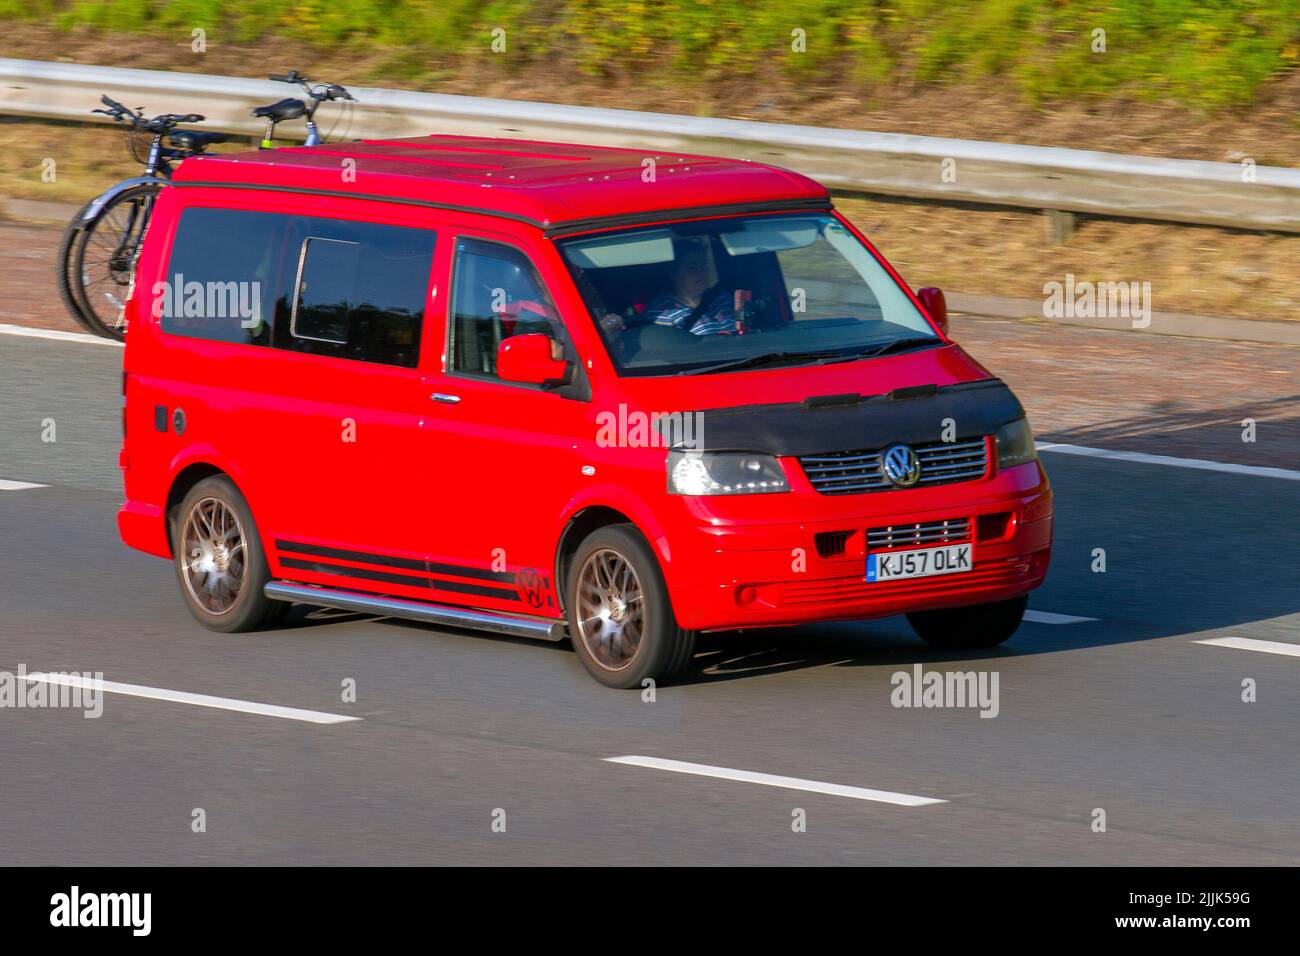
<point x="969" y="628"/>
<point x="621" y="621"/>
<point x="220" y="564"/>
<point x="67" y="269"/>
<point x="103" y="256"/>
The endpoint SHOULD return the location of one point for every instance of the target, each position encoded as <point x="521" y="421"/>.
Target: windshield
<point x="756" y="291"/>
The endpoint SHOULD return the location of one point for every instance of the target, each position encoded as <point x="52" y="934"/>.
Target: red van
<point x="560" y="391"/>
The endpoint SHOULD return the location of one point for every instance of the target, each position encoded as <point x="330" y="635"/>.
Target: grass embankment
<point x="1207" y="53"/>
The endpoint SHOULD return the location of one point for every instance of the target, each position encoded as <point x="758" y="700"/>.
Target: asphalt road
<point x="1127" y="712"/>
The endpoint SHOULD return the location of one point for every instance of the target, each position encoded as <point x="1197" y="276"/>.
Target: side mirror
<point x="532" y="359"/>
<point x="936" y="305"/>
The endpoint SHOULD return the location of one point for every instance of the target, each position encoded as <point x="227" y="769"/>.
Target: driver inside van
<point x="694" y="303"/>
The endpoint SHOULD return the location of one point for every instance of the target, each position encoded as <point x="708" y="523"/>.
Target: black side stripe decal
<point x="390" y="561"/>
<point x="410" y="580"/>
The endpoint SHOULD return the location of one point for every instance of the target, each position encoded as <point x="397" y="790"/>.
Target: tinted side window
<point x="496" y="293"/>
<point x="223" y="275"/>
<point x="358" y="291"/>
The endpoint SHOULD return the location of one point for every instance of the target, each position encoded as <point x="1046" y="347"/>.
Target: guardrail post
<point x="1060" y="225"/>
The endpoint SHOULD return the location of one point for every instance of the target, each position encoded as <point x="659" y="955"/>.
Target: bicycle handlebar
<point x="115" y="109"/>
<point x="159" y="124"/>
<point x="323" y="91"/>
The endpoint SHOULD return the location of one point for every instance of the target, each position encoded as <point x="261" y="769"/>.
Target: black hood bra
<point x="824" y="424"/>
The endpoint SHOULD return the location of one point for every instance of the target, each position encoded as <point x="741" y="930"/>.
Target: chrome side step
<point x="516" y="625"/>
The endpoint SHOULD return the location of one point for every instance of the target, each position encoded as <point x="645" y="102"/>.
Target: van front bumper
<point x="728" y="573"/>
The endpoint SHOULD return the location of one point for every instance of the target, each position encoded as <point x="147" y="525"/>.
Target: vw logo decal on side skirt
<point x="901" y="466"/>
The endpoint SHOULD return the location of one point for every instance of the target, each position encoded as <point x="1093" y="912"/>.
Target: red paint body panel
<point x="547" y="183"/>
<point x="466" y="503"/>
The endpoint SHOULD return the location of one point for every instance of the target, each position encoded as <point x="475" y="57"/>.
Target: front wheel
<point x="970" y="628"/>
<point x="620" y="618"/>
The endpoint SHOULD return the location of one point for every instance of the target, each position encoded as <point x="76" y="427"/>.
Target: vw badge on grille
<point x="901" y="466"/>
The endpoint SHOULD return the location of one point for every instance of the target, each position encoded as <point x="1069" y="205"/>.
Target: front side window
<point x="746" y="291"/>
<point x="496" y="293"/>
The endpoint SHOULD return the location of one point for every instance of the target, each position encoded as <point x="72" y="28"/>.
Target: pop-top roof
<point x="556" y="186"/>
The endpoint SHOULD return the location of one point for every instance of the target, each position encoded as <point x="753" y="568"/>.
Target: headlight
<point x="723" y="473"/>
<point x="1015" y="444"/>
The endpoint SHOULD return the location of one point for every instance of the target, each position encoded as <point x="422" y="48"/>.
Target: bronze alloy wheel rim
<point x="611" y="609"/>
<point x="214" y="555"/>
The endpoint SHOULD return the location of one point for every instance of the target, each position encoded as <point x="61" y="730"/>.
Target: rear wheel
<point x="620" y="618"/>
<point x="969" y="628"/>
<point x="219" y="559"/>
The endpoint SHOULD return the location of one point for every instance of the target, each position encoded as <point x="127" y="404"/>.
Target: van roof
<point x="558" y="187"/>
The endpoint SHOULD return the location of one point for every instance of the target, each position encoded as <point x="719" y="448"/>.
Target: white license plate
<point x="920" y="563"/>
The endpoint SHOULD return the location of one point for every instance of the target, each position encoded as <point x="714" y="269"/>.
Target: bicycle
<point x="99" y="248"/>
<point x="293" y="108"/>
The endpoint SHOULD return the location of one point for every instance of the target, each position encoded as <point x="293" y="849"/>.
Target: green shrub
<point x="1207" y="53"/>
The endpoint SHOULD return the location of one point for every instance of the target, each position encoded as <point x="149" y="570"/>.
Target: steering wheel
<point x="762" y="315"/>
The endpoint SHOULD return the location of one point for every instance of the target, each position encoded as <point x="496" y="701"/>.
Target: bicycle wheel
<point x="104" y="259"/>
<point x="67" y="269"/>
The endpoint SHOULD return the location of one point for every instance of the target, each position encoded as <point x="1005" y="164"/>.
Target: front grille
<point x="919" y="534"/>
<point x="855" y="472"/>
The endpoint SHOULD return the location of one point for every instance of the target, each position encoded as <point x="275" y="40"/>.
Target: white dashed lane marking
<point x="7" y="485"/>
<point x="1250" y="644"/>
<point x="1048" y="617"/>
<point x="195" y="700"/>
<point x="772" y="780"/>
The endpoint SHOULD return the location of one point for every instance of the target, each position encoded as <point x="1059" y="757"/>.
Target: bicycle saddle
<point x="194" y="139"/>
<point x="283" y="110"/>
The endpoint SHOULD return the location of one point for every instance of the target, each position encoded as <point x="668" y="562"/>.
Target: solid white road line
<point x="1141" y="458"/>
<point x="7" y="485"/>
<point x="197" y="700"/>
<point x="57" y="334"/>
<point x="1047" y="617"/>
<point x="1250" y="644"/>
<point x="771" y="780"/>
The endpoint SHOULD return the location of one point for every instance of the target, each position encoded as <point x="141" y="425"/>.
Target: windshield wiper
<point x="820" y="358"/>
<point x="766" y="358"/>
<point x="898" y="345"/>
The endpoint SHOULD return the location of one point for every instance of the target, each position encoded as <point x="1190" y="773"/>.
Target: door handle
<point x="445" y="398"/>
